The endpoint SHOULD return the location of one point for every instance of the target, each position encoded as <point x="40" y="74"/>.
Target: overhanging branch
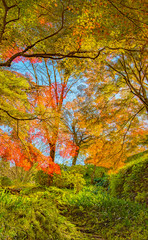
<point x="16" y="118"/>
<point x="54" y="56"/>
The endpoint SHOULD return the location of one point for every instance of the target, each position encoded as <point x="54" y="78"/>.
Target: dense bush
<point x="5" y="181"/>
<point x="102" y="181"/>
<point x="43" y="179"/>
<point x="78" y="169"/>
<point x="69" y="179"/>
<point x="33" y="218"/>
<point x="131" y="182"/>
<point x="92" y="176"/>
<point x="86" y="171"/>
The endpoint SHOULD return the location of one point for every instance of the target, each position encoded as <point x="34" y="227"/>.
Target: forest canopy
<point x="73" y="82"/>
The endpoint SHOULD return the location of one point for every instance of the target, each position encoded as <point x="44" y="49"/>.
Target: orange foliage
<point x="106" y="154"/>
<point x="25" y="155"/>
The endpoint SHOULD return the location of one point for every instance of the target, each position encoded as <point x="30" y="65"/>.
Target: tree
<point x="76" y="134"/>
<point x="111" y="32"/>
<point x="24" y="154"/>
<point x="133" y="69"/>
<point x="76" y="30"/>
<point x="49" y="91"/>
<point x="111" y="113"/>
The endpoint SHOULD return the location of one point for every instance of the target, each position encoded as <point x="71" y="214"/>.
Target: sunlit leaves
<point x="106" y="154"/>
<point x="13" y="96"/>
<point x="25" y="155"/>
<point x="106" y="108"/>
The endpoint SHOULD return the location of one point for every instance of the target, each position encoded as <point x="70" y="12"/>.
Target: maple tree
<point x="114" y="115"/>
<point x="45" y="104"/>
<point x="104" y="42"/>
<point x="47" y="100"/>
<point x="25" y="154"/>
<point x="16" y="109"/>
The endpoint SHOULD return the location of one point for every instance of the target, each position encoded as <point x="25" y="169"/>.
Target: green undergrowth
<point x="131" y="182"/>
<point x="113" y="208"/>
<point x="138" y="157"/>
<point x="98" y="213"/>
<point x="53" y="213"/>
<point x="33" y="217"/>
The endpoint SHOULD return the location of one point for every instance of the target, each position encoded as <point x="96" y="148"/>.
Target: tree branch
<point x="54" y="56"/>
<point x="130" y="122"/>
<point x="5" y="17"/>
<point x="15" y="118"/>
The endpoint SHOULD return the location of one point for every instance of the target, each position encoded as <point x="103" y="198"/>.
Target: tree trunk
<point x="52" y="151"/>
<point x="52" y="156"/>
<point x="49" y="180"/>
<point x="74" y="160"/>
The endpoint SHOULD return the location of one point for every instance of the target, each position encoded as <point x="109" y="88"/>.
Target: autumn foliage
<point x="25" y="155"/>
<point x="43" y="106"/>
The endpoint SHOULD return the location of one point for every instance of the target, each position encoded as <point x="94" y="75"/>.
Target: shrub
<point x="131" y="182"/>
<point x="5" y="181"/>
<point x="78" y="169"/>
<point x="90" y="175"/>
<point x="86" y="171"/>
<point x="69" y="180"/>
<point x="102" y="181"/>
<point x="43" y="179"/>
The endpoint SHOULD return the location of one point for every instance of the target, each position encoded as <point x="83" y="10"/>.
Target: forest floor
<point x="84" y="215"/>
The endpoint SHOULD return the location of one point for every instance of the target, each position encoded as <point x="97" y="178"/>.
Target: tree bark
<point x="75" y="158"/>
<point x="52" y="156"/>
<point x="52" y="151"/>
